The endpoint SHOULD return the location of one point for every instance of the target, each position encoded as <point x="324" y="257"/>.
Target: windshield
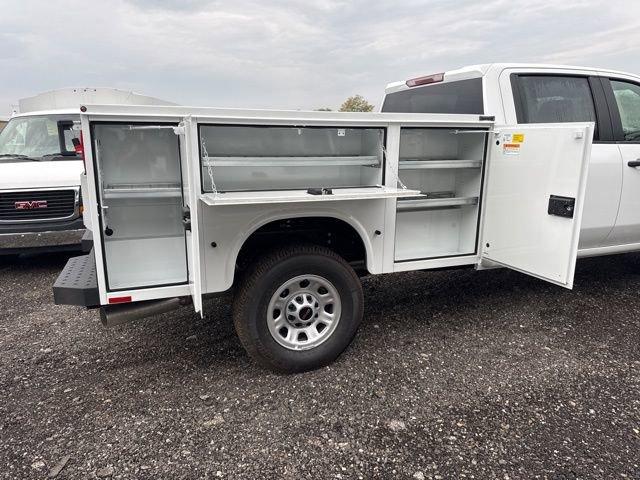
<point x="38" y="138"/>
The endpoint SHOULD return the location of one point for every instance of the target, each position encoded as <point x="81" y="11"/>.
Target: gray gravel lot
<point x="454" y="374"/>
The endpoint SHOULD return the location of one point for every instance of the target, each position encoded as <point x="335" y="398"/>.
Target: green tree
<point x="324" y="109"/>
<point x="357" y="103"/>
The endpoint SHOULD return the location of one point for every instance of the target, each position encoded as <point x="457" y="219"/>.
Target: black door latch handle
<point x="186" y="219"/>
<point x="634" y="163"/>
<point x="561" y="206"/>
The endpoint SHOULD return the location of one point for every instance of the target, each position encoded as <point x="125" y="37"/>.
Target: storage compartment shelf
<point x="294" y="196"/>
<point x="319" y="161"/>
<point x="425" y="203"/>
<point x="141" y="190"/>
<point x="410" y="164"/>
<point x="426" y="254"/>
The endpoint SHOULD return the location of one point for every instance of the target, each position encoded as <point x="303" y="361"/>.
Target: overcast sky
<point x="293" y="54"/>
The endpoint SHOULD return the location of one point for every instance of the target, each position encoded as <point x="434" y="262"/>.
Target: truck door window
<point x="627" y="97"/>
<point x="554" y="99"/>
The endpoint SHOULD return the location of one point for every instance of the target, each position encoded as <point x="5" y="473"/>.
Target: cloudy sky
<point x="293" y="54"/>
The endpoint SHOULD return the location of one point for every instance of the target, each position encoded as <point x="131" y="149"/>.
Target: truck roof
<point x="67" y="100"/>
<point x="474" y="71"/>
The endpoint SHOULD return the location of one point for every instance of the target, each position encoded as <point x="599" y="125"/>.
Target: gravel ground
<point x="455" y="374"/>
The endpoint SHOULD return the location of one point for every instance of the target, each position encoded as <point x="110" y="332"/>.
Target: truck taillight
<point x="114" y="300"/>
<point x="426" y="80"/>
<point x="78" y="147"/>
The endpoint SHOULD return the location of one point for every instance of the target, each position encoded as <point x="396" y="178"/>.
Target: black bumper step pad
<point x="87" y="241"/>
<point x="77" y="284"/>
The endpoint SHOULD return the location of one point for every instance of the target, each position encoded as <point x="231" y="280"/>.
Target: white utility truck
<point x="284" y="208"/>
<point x="40" y="167"/>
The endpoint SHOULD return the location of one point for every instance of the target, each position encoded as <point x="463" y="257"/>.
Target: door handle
<point x="634" y="163"/>
<point x="186" y="219"/>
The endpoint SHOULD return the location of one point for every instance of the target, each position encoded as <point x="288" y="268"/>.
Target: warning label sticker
<point x="52" y="129"/>
<point x="511" y="148"/>
<point x="517" y="138"/>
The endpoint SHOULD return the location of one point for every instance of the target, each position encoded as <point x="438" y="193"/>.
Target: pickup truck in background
<point x="529" y="94"/>
<point x="40" y="168"/>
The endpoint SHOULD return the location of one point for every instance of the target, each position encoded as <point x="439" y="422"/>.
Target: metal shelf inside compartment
<point x="311" y="161"/>
<point x="417" y="164"/>
<point x="424" y="202"/>
<point x="127" y="190"/>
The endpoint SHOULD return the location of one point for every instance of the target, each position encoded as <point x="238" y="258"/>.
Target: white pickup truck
<point x="528" y="94"/>
<point x="483" y="167"/>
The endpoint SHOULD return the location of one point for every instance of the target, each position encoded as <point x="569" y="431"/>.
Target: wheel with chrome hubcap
<point x="298" y="308"/>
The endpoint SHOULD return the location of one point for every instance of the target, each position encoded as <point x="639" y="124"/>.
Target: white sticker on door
<point x="511" y="148"/>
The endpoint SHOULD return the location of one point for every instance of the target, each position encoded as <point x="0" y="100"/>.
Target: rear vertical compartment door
<point x="534" y="198"/>
<point x="191" y="190"/>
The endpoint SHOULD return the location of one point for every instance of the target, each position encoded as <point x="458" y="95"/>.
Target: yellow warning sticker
<point x="518" y="138"/>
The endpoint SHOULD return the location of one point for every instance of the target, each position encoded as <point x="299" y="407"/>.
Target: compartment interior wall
<point x="279" y="157"/>
<point x="443" y="231"/>
<point x="462" y="182"/>
<point x="440" y="144"/>
<point x="137" y="157"/>
<point x="435" y="233"/>
<point x="140" y="184"/>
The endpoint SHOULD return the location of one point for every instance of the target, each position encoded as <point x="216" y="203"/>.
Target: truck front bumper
<point x="41" y="237"/>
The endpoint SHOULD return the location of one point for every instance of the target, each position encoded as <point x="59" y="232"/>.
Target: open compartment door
<point x="534" y="197"/>
<point x="191" y="191"/>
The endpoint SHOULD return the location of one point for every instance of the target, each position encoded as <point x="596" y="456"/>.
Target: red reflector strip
<point x="120" y="299"/>
<point x="415" y="82"/>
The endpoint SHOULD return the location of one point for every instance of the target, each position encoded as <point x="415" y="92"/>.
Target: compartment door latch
<point x="186" y="219"/>
<point x="561" y="206"/>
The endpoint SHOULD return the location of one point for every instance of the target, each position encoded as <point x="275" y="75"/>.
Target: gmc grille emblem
<point x="31" y="205"/>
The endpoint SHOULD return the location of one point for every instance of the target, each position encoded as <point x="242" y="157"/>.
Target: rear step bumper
<point x="87" y="241"/>
<point x="77" y="284"/>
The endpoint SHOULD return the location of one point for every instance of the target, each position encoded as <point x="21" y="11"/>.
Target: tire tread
<point x="247" y="284"/>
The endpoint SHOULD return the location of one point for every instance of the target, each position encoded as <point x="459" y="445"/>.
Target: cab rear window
<point x="463" y="96"/>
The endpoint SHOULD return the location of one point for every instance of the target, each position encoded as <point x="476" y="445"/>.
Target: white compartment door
<point x="191" y="189"/>
<point x="534" y="196"/>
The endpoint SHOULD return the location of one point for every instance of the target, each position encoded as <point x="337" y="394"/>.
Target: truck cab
<point x="530" y="94"/>
<point x="41" y="166"/>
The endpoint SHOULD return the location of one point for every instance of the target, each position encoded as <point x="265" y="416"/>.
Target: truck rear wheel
<point x="298" y="308"/>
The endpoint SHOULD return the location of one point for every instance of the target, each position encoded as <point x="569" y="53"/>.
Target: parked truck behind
<point x="40" y="168"/>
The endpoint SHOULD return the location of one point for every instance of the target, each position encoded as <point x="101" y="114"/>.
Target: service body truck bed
<point x="283" y="207"/>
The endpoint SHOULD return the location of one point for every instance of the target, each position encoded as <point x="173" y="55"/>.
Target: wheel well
<point x="329" y="232"/>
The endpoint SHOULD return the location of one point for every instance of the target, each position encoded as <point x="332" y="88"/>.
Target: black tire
<point x="259" y="284"/>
